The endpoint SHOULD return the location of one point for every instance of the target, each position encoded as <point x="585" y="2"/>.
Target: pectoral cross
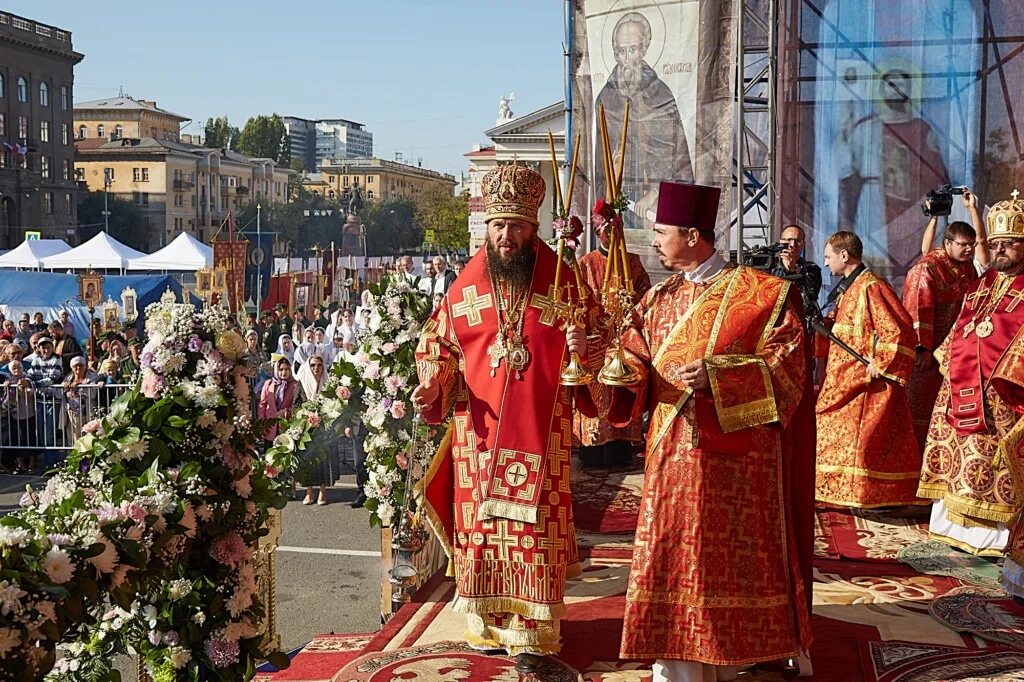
<point x="980" y="293"/>
<point x="472" y="305"/>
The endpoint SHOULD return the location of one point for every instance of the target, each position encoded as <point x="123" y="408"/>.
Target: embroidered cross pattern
<point x="980" y="293"/>
<point x="549" y="308"/>
<point x="1017" y="295"/>
<point x="472" y="305"/>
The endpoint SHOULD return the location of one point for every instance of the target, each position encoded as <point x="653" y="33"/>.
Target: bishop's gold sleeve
<point x="438" y="357"/>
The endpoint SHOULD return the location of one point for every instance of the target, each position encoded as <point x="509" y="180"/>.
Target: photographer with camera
<point x="792" y="266"/>
<point x="934" y="291"/>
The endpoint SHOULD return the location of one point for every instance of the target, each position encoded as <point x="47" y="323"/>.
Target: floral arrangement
<point x="144" y="541"/>
<point x="373" y="388"/>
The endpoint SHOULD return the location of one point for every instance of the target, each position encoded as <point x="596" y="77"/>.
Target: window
<point x="64" y="133"/>
<point x="66" y="170"/>
<point x="82" y="132"/>
<point x="369" y="180"/>
<point x="101" y="130"/>
<point x="44" y="166"/>
<point x="48" y="203"/>
<point x="64" y="97"/>
<point x="369" y="194"/>
<point x="22" y="89"/>
<point x="179" y="200"/>
<point x="145" y="175"/>
<point x="140" y="174"/>
<point x="44" y="95"/>
<point x="152" y="133"/>
<point x="3" y="124"/>
<point x="108" y="174"/>
<point x="79" y="175"/>
<point x="1" y="85"/>
<point x="118" y="131"/>
<point x="344" y="181"/>
<point x="193" y="201"/>
<point x="23" y="127"/>
<point x="44" y="131"/>
<point x="69" y="207"/>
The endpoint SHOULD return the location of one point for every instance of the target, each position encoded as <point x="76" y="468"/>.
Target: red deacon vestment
<point x="499" y="496"/>
<point x="933" y="293"/>
<point x="714" y="576"/>
<point x="867" y="457"/>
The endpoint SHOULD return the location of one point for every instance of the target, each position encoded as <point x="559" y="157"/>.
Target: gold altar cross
<point x="980" y="292"/>
<point x="1017" y="295"/>
<point x="472" y="305"/>
<point x="550" y="308"/>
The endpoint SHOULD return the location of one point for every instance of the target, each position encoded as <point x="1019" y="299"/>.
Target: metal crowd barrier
<point x="51" y="418"/>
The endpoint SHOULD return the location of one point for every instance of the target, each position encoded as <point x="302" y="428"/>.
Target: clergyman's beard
<point x="630" y="76"/>
<point x="517" y="270"/>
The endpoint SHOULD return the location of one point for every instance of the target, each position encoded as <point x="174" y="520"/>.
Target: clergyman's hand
<point x="695" y="375"/>
<point x="873" y="371"/>
<point x="576" y="340"/>
<point x="424" y="395"/>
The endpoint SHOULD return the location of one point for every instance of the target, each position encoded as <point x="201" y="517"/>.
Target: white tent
<point x="29" y="254"/>
<point x="102" y="252"/>
<point x="184" y="253"/>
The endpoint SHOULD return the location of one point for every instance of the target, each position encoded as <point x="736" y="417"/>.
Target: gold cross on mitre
<point x="472" y="305"/>
<point x="1014" y="194"/>
<point x="980" y="293"/>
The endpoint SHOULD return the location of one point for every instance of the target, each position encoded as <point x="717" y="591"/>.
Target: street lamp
<point x="259" y="269"/>
<point x="107" y="181"/>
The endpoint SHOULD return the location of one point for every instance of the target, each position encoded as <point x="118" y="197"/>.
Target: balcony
<point x="243" y="191"/>
<point x="182" y="185"/>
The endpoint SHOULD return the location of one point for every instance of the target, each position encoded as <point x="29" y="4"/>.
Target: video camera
<point x="764" y="257"/>
<point x="939" y="201"/>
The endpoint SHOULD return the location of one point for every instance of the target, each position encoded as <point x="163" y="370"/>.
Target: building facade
<point x="315" y="142"/>
<point x="119" y="117"/>
<point x="377" y="179"/>
<point x="178" y="187"/>
<point x="37" y="190"/>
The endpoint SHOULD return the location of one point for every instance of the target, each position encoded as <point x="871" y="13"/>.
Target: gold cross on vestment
<point x="548" y="305"/>
<point x="503" y="540"/>
<point x="1017" y="295"/>
<point x="472" y="305"/>
<point x="980" y="293"/>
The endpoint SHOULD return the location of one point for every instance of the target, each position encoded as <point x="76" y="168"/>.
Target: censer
<point x="409" y="534"/>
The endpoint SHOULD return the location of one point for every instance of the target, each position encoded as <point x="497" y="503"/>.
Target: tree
<point x="265" y="137"/>
<point x="391" y="227"/>
<point x="127" y="223"/>
<point x="219" y="133"/>
<point x="447" y="216"/>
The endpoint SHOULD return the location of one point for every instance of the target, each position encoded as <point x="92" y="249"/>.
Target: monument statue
<point x="355" y="204"/>
<point x="504" y="111"/>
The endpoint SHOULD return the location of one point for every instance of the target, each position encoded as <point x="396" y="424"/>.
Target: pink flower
<point x="343" y="393"/>
<point x="243" y="486"/>
<point x="229" y="549"/>
<point x="271" y="471"/>
<point x="371" y="371"/>
<point x="151" y="384"/>
<point x="398" y="409"/>
<point x="388" y="348"/>
<point x="314" y="420"/>
<point x="92" y="426"/>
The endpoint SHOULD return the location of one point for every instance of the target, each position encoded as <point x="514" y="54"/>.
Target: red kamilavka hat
<point x="683" y="204"/>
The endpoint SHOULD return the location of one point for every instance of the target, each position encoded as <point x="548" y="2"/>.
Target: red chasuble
<point x="598" y="430"/>
<point x="932" y="294"/>
<point x="867" y="457"/>
<point x="499" y="496"/>
<point x="714" y="576"/>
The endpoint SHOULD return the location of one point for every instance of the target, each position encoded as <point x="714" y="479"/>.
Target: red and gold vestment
<point x="974" y="439"/>
<point x="867" y="457"/>
<point x="714" y="576"/>
<point x="933" y="294"/>
<point x="498" y="497"/>
<point x="598" y="430"/>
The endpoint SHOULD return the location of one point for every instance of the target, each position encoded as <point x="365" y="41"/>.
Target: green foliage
<point x="447" y="216"/>
<point x="127" y="223"/>
<point x="265" y="137"/>
<point x="219" y="133"/>
<point x="391" y="227"/>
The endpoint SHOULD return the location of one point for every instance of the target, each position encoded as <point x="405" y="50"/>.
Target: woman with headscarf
<point x="321" y="469"/>
<point x="256" y="360"/>
<point x="286" y="347"/>
<point x="279" y="395"/>
<point x="81" y="394"/>
<point x="306" y="349"/>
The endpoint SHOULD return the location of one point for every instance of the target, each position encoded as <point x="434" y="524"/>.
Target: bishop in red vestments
<point x="601" y="443"/>
<point x="867" y="455"/>
<point x="933" y="293"/>
<point x="715" y="581"/>
<point x="498" y="495"/>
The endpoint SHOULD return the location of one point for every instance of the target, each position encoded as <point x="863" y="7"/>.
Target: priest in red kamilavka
<point x="600" y="443"/>
<point x="498" y="495"/>
<point x="715" y="580"/>
<point x="867" y="453"/>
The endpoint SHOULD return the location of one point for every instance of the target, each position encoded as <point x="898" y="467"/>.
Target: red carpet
<point x="863" y="535"/>
<point x="607" y="500"/>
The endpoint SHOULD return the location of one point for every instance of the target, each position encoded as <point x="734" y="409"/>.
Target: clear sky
<point x="424" y="76"/>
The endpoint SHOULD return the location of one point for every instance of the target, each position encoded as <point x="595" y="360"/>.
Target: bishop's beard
<point x="630" y="78"/>
<point x="517" y="270"/>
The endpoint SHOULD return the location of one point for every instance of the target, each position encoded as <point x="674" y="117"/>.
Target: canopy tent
<point x="102" y="252"/>
<point x="29" y="254"/>
<point x="184" y="253"/>
<point x="51" y="292"/>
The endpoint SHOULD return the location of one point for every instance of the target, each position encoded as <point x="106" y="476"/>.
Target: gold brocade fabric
<point x="598" y="430"/>
<point x="867" y="455"/>
<point x="714" y="575"/>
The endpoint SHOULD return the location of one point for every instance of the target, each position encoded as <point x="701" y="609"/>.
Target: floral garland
<point x="372" y="388"/>
<point x="143" y="542"/>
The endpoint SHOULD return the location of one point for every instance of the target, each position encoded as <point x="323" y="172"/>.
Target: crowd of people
<point x="753" y="404"/>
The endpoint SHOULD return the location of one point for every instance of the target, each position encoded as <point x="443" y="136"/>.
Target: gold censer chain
<point x="508" y="345"/>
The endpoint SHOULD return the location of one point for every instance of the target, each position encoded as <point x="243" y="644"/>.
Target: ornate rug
<point x="607" y="500"/>
<point x="865" y="535"/>
<point x="915" y="662"/>
<point x="938" y="558"/>
<point x="319" y="659"/>
<point x="989" y="614"/>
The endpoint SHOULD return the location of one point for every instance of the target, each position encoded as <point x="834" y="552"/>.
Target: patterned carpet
<point x="889" y="606"/>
